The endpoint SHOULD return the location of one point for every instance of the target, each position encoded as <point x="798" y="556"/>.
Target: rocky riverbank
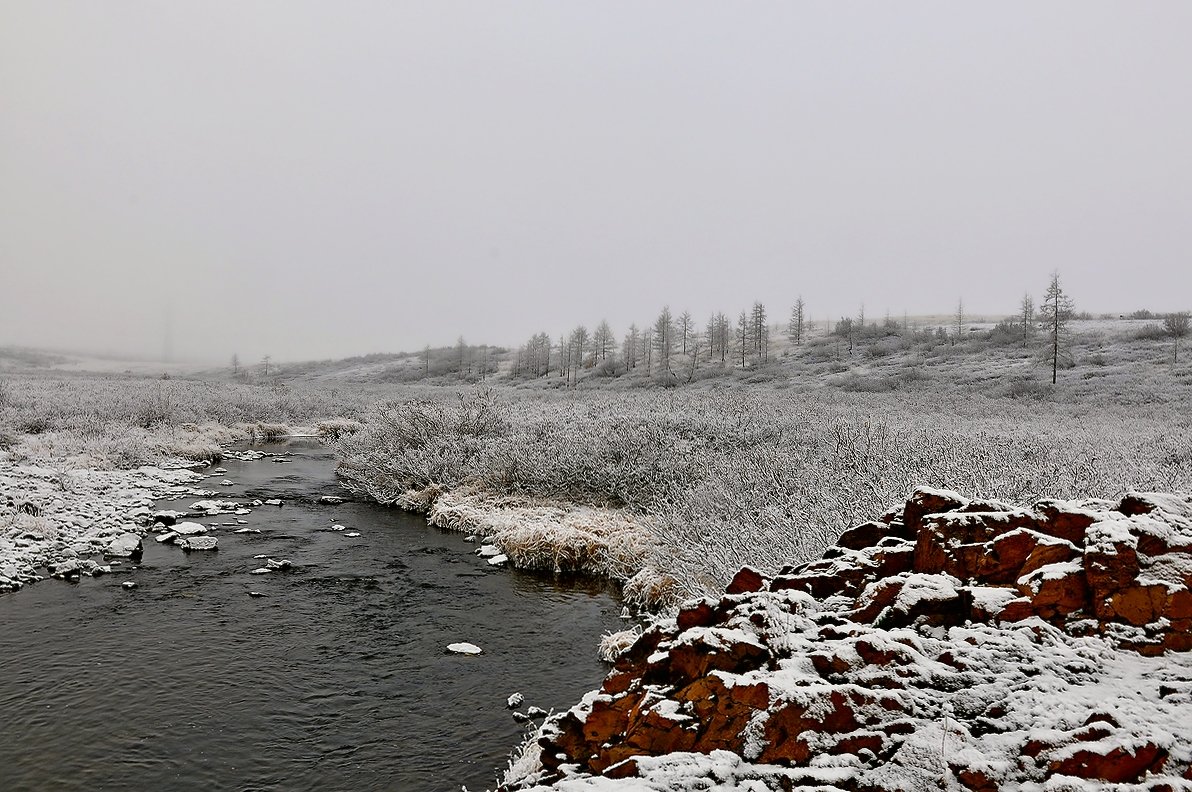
<point x="951" y="644"/>
<point x="50" y="516"/>
<point x="69" y="522"/>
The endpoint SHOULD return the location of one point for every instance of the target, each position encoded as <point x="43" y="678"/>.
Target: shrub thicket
<point x="764" y="476"/>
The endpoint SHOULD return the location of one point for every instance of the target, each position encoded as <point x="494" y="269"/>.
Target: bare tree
<point x="575" y="353"/>
<point x="686" y="328"/>
<point x="1176" y="325"/>
<point x="664" y="338"/>
<point x="959" y="318"/>
<point x="795" y="329"/>
<point x="723" y="329"/>
<point x="235" y="365"/>
<point x="461" y="356"/>
<point x="265" y="361"/>
<point x="632" y="344"/>
<point x="603" y="339"/>
<point x="647" y="349"/>
<point x="743" y="335"/>
<point x="1026" y="318"/>
<point x="1054" y="314"/>
<point x="759" y="331"/>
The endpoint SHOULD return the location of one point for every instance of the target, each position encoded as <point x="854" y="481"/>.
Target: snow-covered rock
<point x="185" y="529"/>
<point x="200" y="542"/>
<point x="126" y="545"/>
<point x="951" y="644"/>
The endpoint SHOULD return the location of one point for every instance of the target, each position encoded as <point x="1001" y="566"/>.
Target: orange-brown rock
<point x="746" y="581"/>
<point x="701" y="613"/>
<point x="702" y="650"/>
<point x="866" y="534"/>
<point x="1064" y="519"/>
<point x="1116" y="766"/>
<point x="924" y="501"/>
<point x="789" y="721"/>
<point x="1056" y="597"/>
<point x="847" y="666"/>
<point x="1139" y="605"/>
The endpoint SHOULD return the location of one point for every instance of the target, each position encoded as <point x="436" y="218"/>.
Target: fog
<point x="309" y="179"/>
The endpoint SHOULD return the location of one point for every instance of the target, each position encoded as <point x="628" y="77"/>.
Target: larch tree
<point x="759" y="331"/>
<point x="461" y="353"/>
<point x="958" y="317"/>
<point x="1055" y="312"/>
<point x="1026" y="318"/>
<point x="686" y="329"/>
<point x="647" y="349"/>
<point x="794" y="329"/>
<point x="603" y="340"/>
<point x="632" y="345"/>
<point x="664" y="338"/>
<point x="723" y="329"/>
<point x="1176" y="326"/>
<point x="743" y="335"/>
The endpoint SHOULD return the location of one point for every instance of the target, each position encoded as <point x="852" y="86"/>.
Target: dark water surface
<point x="337" y="679"/>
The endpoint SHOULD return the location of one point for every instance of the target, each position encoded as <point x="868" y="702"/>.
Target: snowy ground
<point x="51" y="514"/>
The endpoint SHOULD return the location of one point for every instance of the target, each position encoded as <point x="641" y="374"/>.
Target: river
<point x="337" y="678"/>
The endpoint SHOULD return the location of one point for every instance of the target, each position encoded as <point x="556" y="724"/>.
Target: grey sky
<point x="315" y="179"/>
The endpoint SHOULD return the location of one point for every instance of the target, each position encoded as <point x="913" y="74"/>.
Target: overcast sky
<point x="314" y="179"/>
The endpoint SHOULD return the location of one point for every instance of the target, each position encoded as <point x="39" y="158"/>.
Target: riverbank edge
<point x="57" y="508"/>
<point x="553" y="536"/>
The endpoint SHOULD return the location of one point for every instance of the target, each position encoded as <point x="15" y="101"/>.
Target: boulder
<point x="200" y="542"/>
<point x="746" y="580"/>
<point x="189" y="529"/>
<point x="126" y="545"/>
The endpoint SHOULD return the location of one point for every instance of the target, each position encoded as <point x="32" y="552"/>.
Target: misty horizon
<point x="312" y="182"/>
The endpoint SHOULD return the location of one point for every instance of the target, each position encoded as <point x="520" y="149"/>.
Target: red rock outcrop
<point x="950" y="639"/>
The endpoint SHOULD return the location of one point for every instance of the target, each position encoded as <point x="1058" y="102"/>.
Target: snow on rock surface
<point x="201" y="542"/>
<point x="47" y="518"/>
<point x="952" y="644"/>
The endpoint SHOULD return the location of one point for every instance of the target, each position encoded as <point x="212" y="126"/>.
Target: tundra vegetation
<point x="671" y="459"/>
<point x="678" y="490"/>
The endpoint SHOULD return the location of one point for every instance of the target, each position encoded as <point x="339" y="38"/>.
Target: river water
<point x="336" y="679"/>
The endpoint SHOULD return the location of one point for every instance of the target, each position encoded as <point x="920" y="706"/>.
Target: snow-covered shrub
<point x="720" y="479"/>
<point x="613" y="644"/>
<point x="331" y="429"/>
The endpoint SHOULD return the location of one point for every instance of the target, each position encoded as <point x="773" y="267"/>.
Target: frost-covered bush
<point x="753" y="476"/>
<point x="125" y="422"/>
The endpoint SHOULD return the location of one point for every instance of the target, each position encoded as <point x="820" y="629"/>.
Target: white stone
<point x="199" y="543"/>
<point x="189" y="529"/>
<point x="464" y="648"/>
<point x="125" y="545"/>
